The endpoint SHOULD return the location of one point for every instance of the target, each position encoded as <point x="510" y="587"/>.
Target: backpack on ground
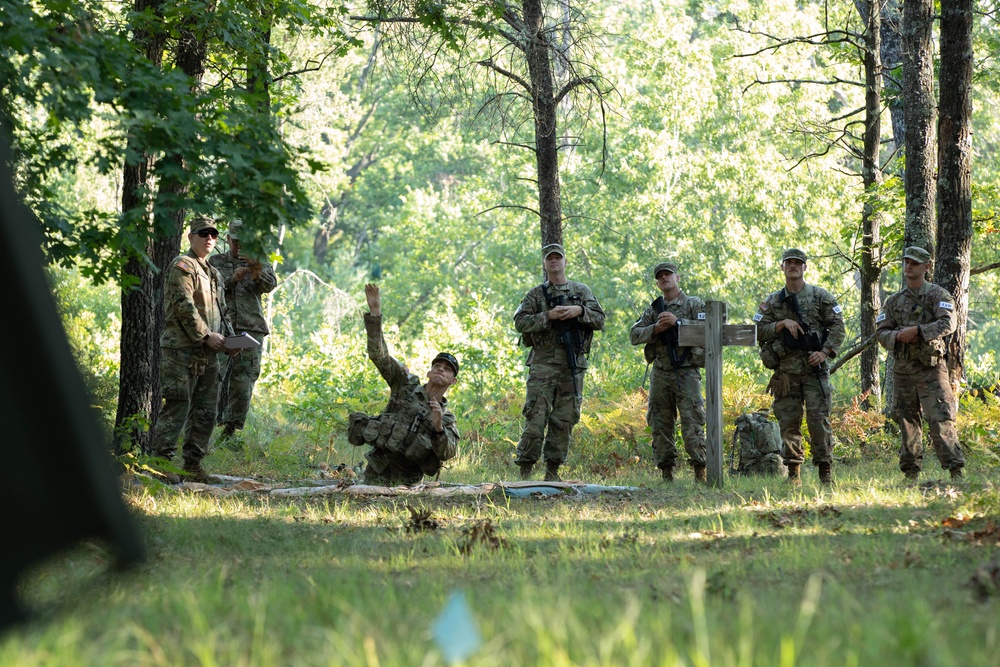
<point x="757" y="446"/>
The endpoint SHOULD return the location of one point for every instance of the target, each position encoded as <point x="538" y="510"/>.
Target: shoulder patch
<point x="881" y="316"/>
<point x="837" y="309"/>
<point x="764" y="306"/>
<point x="946" y="305"/>
<point x="701" y="316"/>
<point x="184" y="264"/>
<point x="758" y="317"/>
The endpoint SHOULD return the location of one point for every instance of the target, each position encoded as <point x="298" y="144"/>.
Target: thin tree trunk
<point x="919" y="102"/>
<point x="546" y="135"/>
<point x="954" y="233"/>
<point x="137" y="371"/>
<point x="871" y="301"/>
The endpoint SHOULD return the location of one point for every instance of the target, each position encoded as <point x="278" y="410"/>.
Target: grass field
<point x="869" y="572"/>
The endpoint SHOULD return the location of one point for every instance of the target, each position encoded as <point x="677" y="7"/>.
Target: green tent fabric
<point x="58" y="484"/>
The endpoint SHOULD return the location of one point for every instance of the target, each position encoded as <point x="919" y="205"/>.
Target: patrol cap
<point x="793" y="253"/>
<point x="203" y="222"/>
<point x="551" y="248"/>
<point x="235" y="229"/>
<point x="664" y="266"/>
<point x="917" y="254"/>
<point x="447" y="358"/>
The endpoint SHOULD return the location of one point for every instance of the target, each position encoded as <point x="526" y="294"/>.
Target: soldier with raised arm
<point x="416" y="431"/>
<point x="912" y="326"/>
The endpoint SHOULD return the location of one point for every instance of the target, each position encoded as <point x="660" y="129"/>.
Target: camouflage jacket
<point x="688" y="310"/>
<point x="532" y="321"/>
<point x="193" y="303"/>
<point x="819" y="311"/>
<point x="243" y="296"/>
<point x="929" y="307"/>
<point x="404" y="425"/>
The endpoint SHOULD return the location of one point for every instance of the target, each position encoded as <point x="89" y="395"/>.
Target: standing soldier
<point x="557" y="320"/>
<point x="675" y="383"/>
<point x="194" y="332"/>
<point x="799" y="328"/>
<point x="912" y="327"/>
<point x="246" y="280"/>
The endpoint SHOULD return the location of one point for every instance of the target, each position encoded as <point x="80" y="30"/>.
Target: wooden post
<point x="714" y="336"/>
<point x="714" y="311"/>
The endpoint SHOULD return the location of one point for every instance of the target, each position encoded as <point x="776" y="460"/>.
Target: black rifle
<point x="671" y="338"/>
<point x="808" y="341"/>
<point x="569" y="335"/>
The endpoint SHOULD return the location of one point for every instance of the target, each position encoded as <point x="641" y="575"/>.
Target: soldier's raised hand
<point x="374" y="298"/>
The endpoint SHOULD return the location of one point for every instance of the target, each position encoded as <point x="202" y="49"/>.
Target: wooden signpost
<point x="713" y="336"/>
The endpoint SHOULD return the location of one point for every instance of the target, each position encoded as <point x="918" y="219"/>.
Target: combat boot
<point x="667" y="473"/>
<point x="701" y="474"/>
<point x="526" y="470"/>
<point x="193" y="472"/>
<point x="957" y="474"/>
<point x="793" y="474"/>
<point x="912" y="476"/>
<point x="552" y="471"/>
<point x="825" y="473"/>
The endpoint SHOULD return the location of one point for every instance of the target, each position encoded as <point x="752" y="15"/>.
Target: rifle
<point x="671" y="338"/>
<point x="809" y="341"/>
<point x="568" y="335"/>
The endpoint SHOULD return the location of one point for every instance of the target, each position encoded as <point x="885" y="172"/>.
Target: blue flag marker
<point x="455" y="630"/>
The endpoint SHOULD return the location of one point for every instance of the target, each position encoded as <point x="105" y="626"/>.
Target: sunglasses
<point x="205" y="233"/>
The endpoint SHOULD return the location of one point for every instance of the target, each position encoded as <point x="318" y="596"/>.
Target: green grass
<point x="757" y="573"/>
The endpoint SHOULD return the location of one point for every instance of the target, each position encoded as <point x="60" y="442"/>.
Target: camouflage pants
<point x="671" y="393"/>
<point x="926" y="394"/>
<point x="814" y="394"/>
<point x="551" y="410"/>
<point x="387" y="468"/>
<point x="189" y="380"/>
<point x="239" y="375"/>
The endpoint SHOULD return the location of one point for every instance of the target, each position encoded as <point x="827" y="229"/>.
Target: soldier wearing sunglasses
<point x="194" y="330"/>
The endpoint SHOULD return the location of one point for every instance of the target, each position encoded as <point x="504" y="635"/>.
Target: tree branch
<point x="844" y="357"/>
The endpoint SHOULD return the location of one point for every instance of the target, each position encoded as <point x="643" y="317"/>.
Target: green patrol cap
<point x="664" y="266"/>
<point x="448" y="359"/>
<point x="235" y="229"/>
<point x="917" y="254"/>
<point x="551" y="248"/>
<point x="793" y="253"/>
<point x="203" y="222"/>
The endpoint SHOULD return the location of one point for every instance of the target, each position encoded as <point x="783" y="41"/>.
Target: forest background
<point x="712" y="134"/>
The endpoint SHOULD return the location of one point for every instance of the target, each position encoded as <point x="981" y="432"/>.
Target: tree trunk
<point x="546" y="135"/>
<point x="871" y="301"/>
<point x="892" y="58"/>
<point x="954" y="194"/>
<point x="137" y="370"/>
<point x="919" y="103"/>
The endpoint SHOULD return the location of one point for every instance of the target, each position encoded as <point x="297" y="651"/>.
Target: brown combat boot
<point x="667" y="473"/>
<point x="193" y="472"/>
<point x="825" y="473"/>
<point x="912" y="475"/>
<point x="793" y="474"/>
<point x="957" y="475"/>
<point x="526" y="470"/>
<point x="701" y="474"/>
<point x="552" y="471"/>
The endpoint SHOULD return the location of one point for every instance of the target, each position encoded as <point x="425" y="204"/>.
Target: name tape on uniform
<point x="946" y="305"/>
<point x="880" y="318"/>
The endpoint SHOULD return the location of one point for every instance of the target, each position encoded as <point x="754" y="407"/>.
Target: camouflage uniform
<point x="673" y="389"/>
<point x="922" y="386"/>
<point x="194" y="305"/>
<point x="404" y="444"/>
<point x="240" y="372"/>
<point x="551" y="405"/>
<point x="795" y="381"/>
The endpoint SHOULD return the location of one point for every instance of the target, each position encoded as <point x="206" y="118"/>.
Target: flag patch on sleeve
<point x="945" y="305"/>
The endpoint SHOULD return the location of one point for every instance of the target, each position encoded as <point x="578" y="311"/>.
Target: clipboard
<point x="242" y="342"/>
